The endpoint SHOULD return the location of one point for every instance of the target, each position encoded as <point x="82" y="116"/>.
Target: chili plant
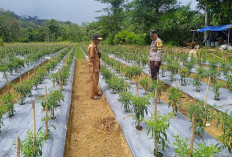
<point x="158" y="129"/>
<point x="49" y="126"/>
<point x="27" y="148"/>
<point x="7" y="101"/>
<point x="125" y="99"/>
<point x="54" y="98"/>
<point x="184" y="72"/>
<point x="196" y="82"/>
<point x="163" y="70"/>
<point x="173" y="67"/>
<point x="229" y="82"/>
<point x="216" y="88"/>
<point x="202" y="150"/>
<point x="160" y="88"/>
<point x="174" y="98"/>
<point x="117" y="84"/>
<point x="225" y="67"/>
<point x="23" y="89"/>
<point x="225" y="120"/>
<point x="140" y="105"/>
<point x="107" y="74"/>
<point x="203" y="115"/>
<point x="145" y="84"/>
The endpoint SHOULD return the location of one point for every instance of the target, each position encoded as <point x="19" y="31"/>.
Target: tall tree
<point x="114" y="17"/>
<point x="146" y="13"/>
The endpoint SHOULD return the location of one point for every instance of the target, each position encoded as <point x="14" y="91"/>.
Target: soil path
<point x="92" y="129"/>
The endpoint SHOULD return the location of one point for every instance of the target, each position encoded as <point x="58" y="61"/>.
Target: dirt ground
<point x="92" y="129"/>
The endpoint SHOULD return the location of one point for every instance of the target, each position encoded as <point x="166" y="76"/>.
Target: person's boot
<point x="96" y="97"/>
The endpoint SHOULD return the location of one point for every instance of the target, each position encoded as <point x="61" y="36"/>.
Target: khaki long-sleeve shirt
<point x="93" y="53"/>
<point x="156" y="50"/>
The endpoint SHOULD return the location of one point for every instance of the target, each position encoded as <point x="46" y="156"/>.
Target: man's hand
<point x="156" y="64"/>
<point x="96" y="70"/>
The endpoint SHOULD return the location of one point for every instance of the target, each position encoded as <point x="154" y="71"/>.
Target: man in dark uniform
<point x="155" y="54"/>
<point x="94" y="66"/>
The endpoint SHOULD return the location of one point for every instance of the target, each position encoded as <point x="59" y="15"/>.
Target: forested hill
<point x="15" y="28"/>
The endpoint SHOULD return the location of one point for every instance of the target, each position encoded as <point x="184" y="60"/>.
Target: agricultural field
<point x="45" y="107"/>
<point x="193" y="100"/>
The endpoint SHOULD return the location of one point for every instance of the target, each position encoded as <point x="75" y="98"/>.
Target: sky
<point x="76" y="11"/>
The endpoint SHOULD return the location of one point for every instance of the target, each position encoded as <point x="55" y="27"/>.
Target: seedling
<point x="196" y="82"/>
<point x="173" y="67"/>
<point x="163" y="70"/>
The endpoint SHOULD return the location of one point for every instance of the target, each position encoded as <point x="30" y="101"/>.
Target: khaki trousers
<point x="94" y="80"/>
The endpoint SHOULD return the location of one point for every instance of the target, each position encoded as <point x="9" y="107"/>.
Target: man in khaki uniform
<point x="94" y="65"/>
<point x="155" y="55"/>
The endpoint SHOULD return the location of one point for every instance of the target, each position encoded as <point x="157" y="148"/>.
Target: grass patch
<point x="79" y="54"/>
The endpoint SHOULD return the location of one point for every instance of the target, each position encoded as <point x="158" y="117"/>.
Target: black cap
<point x="96" y="36"/>
<point x="153" y="32"/>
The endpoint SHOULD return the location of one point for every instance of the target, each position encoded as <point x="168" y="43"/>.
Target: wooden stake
<point x="46" y="110"/>
<point x="7" y="82"/>
<point x="28" y="73"/>
<point x="192" y="135"/>
<point x="20" y="78"/>
<point x="54" y="84"/>
<point x="207" y="92"/>
<point x="59" y="80"/>
<point x="18" y="145"/>
<point x="34" y="126"/>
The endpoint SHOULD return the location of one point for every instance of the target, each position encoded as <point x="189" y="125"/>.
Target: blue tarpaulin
<point x="215" y="28"/>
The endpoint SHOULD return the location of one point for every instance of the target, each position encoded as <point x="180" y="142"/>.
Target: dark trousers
<point x="154" y="69"/>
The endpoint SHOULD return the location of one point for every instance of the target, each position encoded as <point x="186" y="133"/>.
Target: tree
<point x="114" y="17"/>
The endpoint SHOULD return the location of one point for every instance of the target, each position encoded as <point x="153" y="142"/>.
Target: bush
<point x="1" y="42"/>
<point x="126" y="37"/>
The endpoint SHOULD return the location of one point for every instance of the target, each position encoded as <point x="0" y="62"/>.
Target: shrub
<point x="125" y="99"/>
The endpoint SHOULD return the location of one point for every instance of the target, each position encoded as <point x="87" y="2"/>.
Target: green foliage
<point x="173" y="67"/>
<point x="1" y="42"/>
<point x="140" y="105"/>
<point x="203" y="115"/>
<point x="27" y="145"/>
<point x="229" y="82"/>
<point x="7" y="101"/>
<point x="225" y="67"/>
<point x="133" y="72"/>
<point x="125" y="99"/>
<point x="117" y="84"/>
<point x="2" y="111"/>
<point x="216" y="88"/>
<point x="202" y="150"/>
<point x="225" y="119"/>
<point x="49" y="126"/>
<point x="159" y="129"/>
<point x="54" y="98"/>
<point x="160" y="88"/>
<point x="197" y="82"/>
<point x="126" y="37"/>
<point x="182" y="149"/>
<point x="184" y="72"/>
<point x="145" y="84"/>
<point x="174" y="98"/>
<point x="163" y="70"/>
<point x="23" y="89"/>
<point x="107" y="74"/>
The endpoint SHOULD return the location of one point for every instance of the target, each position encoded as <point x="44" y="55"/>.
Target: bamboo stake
<point x="207" y="92"/>
<point x="28" y="73"/>
<point x="20" y="78"/>
<point x="46" y="109"/>
<point x="59" y="80"/>
<point x="18" y="144"/>
<point x="34" y="126"/>
<point x="192" y="135"/>
<point x="7" y="82"/>
<point x="53" y="84"/>
<point x="156" y="92"/>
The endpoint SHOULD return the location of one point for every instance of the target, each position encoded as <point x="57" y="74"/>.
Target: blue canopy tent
<point x="224" y="28"/>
